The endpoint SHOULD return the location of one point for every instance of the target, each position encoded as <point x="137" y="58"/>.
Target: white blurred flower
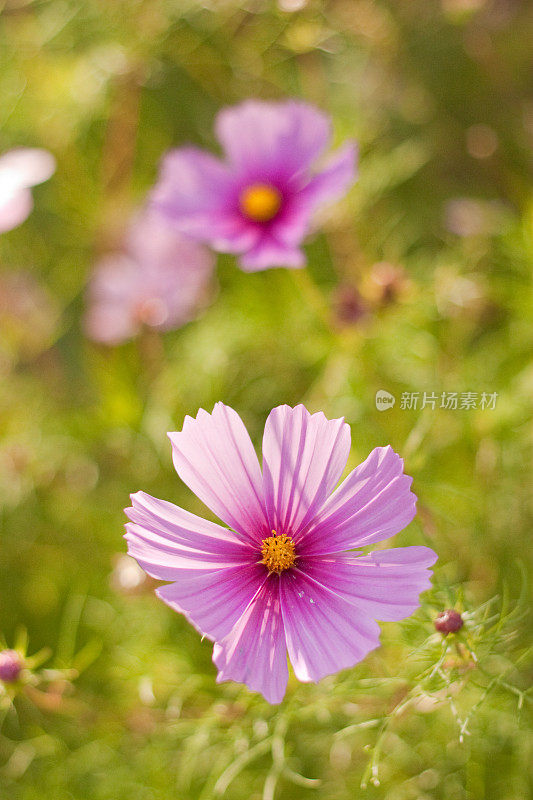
<point x="292" y="5"/>
<point x="21" y="169"/>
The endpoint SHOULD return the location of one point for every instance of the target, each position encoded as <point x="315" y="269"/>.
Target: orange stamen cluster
<point x="260" y="202"/>
<point x="278" y="552"/>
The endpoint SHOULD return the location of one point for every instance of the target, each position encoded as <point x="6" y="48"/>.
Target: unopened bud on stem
<point x="449" y="621"/>
<point x="10" y="665"/>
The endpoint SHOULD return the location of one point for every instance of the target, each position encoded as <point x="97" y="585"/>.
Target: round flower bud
<point x="449" y="621"/>
<point x="10" y="665"/>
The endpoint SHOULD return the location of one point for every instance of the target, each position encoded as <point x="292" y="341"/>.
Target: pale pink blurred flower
<point x="21" y="169"/>
<point x="160" y="280"/>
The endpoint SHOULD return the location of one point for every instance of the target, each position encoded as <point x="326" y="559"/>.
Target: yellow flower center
<point x="260" y="202"/>
<point x="278" y="552"/>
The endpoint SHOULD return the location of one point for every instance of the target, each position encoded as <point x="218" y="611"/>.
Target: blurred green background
<point x="419" y="281"/>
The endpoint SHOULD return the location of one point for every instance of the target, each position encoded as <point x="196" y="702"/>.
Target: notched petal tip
<point x="138" y="496"/>
<point x="136" y="501"/>
<point x="201" y="415"/>
<point x="304" y="456"/>
<point x="215" y="457"/>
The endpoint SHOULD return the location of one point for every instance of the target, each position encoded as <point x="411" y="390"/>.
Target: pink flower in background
<point x="21" y="169"/>
<point x="282" y="577"/>
<point x="160" y="280"/>
<point x="260" y="201"/>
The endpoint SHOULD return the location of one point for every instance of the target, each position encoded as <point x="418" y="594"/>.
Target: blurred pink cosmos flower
<point x="260" y="201"/>
<point x="283" y="577"/>
<point x="21" y="169"/>
<point x="160" y="280"/>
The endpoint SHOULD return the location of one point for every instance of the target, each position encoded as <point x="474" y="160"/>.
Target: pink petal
<point x="279" y="243"/>
<point x="333" y="181"/>
<point x="269" y="253"/>
<point x="303" y="458"/>
<point x="272" y="141"/>
<point x="215" y="457"/>
<point x="199" y="194"/>
<point x="215" y="574"/>
<point x="373" y="503"/>
<point x="324" y="632"/>
<point x="215" y="599"/>
<point x="383" y="585"/>
<point x="295" y="220"/>
<point x="165" y="559"/>
<point x="26" y="166"/>
<point x="15" y="207"/>
<point x="254" y="652"/>
<point x="184" y="530"/>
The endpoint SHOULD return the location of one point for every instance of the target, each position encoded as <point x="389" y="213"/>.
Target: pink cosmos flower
<point x="160" y="280"/>
<point x="282" y="577"/>
<point x="260" y="201"/>
<point x="21" y="169"/>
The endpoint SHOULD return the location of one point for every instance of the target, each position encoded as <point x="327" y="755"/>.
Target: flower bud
<point x="348" y="305"/>
<point x="10" y="666"/>
<point x="449" y="621"/>
<point x="388" y="282"/>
